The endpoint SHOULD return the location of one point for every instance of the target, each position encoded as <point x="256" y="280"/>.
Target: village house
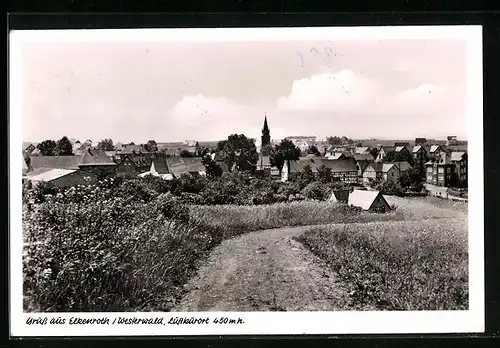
<point x="343" y="170"/>
<point x="336" y="156"/>
<point x="186" y="165"/>
<point x="29" y="147"/>
<point x="369" y="200"/>
<point x="459" y="160"/>
<point x="382" y="152"/>
<point x="377" y="171"/>
<point x="437" y="151"/>
<point x="159" y="168"/>
<point x="403" y="150"/>
<point x="96" y="162"/>
<point x="133" y="165"/>
<point x="133" y="150"/>
<point x="362" y="161"/>
<point x="419" y="154"/>
<point x="64" y="177"/>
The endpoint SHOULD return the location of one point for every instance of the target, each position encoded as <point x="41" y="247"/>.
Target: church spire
<point x="266" y="136"/>
<point x="266" y="128"/>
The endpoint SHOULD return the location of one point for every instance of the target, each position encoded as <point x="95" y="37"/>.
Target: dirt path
<point x="263" y="271"/>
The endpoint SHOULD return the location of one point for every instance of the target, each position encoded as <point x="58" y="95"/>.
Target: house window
<point x="429" y="170"/>
<point x="440" y="170"/>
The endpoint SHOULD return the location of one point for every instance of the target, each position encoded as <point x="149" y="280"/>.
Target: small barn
<point x="339" y="196"/>
<point x="369" y="200"/>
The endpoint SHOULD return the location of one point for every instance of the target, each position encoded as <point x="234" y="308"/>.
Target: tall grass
<point x="399" y="265"/>
<point x="93" y="250"/>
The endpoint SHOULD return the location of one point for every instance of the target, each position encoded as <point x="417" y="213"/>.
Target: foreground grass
<point x="398" y="265"/>
<point x="110" y="254"/>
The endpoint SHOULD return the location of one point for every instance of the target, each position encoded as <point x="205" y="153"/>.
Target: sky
<point x="175" y="91"/>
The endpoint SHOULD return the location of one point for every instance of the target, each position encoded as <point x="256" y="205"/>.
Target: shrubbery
<point x="119" y="245"/>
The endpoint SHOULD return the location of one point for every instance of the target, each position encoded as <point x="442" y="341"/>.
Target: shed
<point x="369" y="200"/>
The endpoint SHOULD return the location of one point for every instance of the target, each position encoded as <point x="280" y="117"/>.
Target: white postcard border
<point x="262" y="323"/>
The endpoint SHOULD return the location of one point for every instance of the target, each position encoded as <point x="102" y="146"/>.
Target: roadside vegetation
<point x="131" y="244"/>
<point x="397" y="265"/>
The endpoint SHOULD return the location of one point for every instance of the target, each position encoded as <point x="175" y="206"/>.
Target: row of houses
<point x="92" y="163"/>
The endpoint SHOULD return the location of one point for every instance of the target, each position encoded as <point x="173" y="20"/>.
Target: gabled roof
<point x="27" y="144"/>
<point x="457" y="156"/>
<point x="417" y="148"/>
<point x="36" y="152"/>
<point x="381" y="167"/>
<point x="399" y="148"/>
<point x="54" y="162"/>
<point x="403" y="166"/>
<point x="386" y="167"/>
<point x="336" y="156"/>
<point x="434" y="148"/>
<point x="93" y="157"/>
<point x="364" y="199"/>
<point x="341" y="196"/>
<point x="52" y="174"/>
<point x="159" y="165"/>
<point x="180" y="165"/>
<point x="361" y="149"/>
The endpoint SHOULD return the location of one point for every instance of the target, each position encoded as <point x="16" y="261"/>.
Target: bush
<point x="390" y="187"/>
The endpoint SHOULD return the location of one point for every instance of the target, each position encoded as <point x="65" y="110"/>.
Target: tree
<point x="282" y="152"/>
<point x="64" y="147"/>
<point x="313" y="150"/>
<point x="239" y="151"/>
<point x="374" y="152"/>
<point x="186" y="153"/>
<point x="212" y="168"/>
<point x="324" y="174"/>
<point x="47" y="147"/>
<point x="151" y="146"/>
<point x="334" y="140"/>
<point x="106" y="145"/>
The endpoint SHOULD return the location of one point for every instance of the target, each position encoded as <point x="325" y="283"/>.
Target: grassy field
<point x="420" y="263"/>
<point x="138" y="256"/>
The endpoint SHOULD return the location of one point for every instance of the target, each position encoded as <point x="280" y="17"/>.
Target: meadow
<point x="419" y="263"/>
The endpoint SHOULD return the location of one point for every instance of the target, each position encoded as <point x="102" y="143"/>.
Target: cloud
<point x="329" y="92"/>
<point x="216" y="118"/>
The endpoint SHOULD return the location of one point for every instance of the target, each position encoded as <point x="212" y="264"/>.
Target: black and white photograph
<point x="282" y="180"/>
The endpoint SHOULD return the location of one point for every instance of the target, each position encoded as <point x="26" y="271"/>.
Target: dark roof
<point x="160" y="166"/>
<point x="54" y="162"/>
<point x="363" y="157"/>
<point x="93" y="157"/>
<point x="180" y="165"/>
<point x="403" y="166"/>
<point x="336" y="166"/>
<point x="130" y="149"/>
<point x="387" y="148"/>
<point x="458" y="148"/>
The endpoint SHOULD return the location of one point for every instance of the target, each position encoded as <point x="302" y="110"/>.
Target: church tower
<point x="266" y="135"/>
